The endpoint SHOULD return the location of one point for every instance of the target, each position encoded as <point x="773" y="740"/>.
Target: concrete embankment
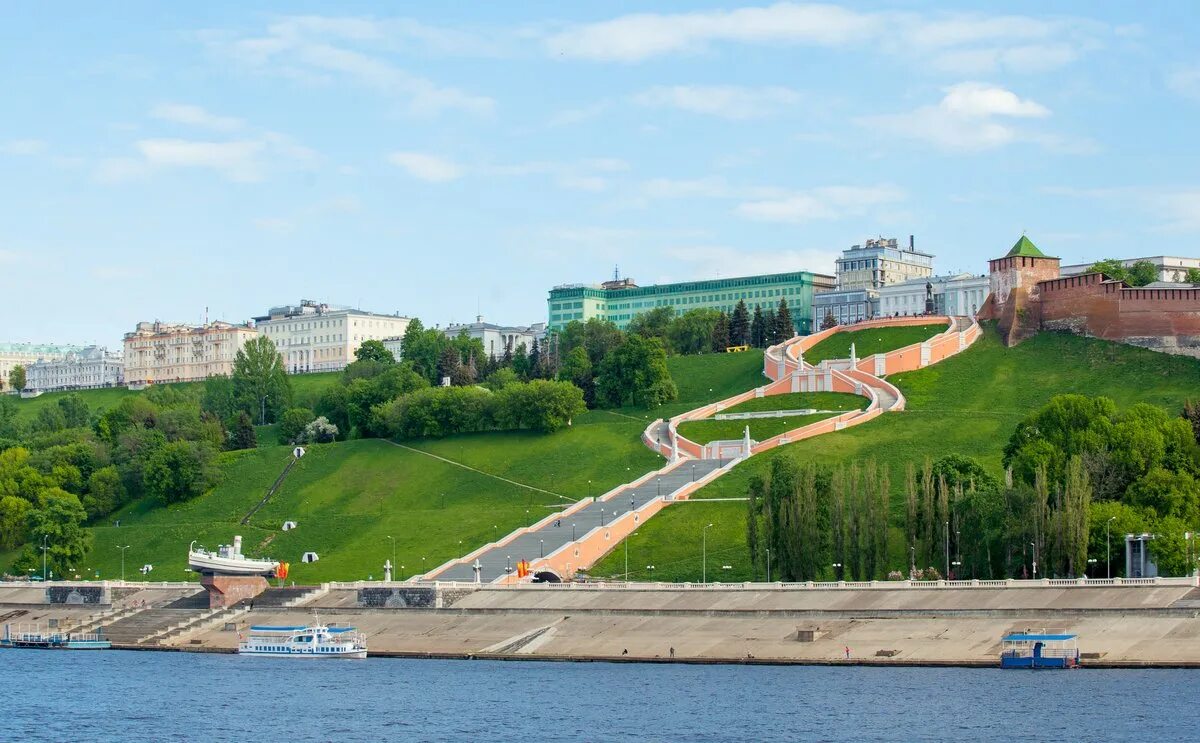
<point x="1156" y="626"/>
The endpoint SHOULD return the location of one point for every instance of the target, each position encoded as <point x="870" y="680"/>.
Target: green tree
<point x="720" y="334"/>
<point x="829" y="321"/>
<point x="501" y="378"/>
<point x="598" y="337"/>
<point x="1193" y="276"/>
<point x="577" y="369"/>
<point x="57" y="521"/>
<point x="292" y="424"/>
<point x="1169" y="549"/>
<point x="653" y="323"/>
<point x="739" y="325"/>
<point x="785" y="327"/>
<point x="1112" y="268"/>
<point x="1166" y="493"/>
<point x="180" y="471"/>
<point x="692" y="332"/>
<point x="242" y="434"/>
<point x="374" y="350"/>
<point x="260" y="382"/>
<point x="50" y="419"/>
<point x="105" y="492"/>
<point x="16" y="378"/>
<point x="636" y="373"/>
<point x="758" y="328"/>
<point x="10" y="428"/>
<point x="1142" y="273"/>
<point x="1108" y="523"/>
<point x="520" y="361"/>
<point x="219" y="398"/>
<point x="75" y="410"/>
<point x="411" y="337"/>
<point x="14" y="514"/>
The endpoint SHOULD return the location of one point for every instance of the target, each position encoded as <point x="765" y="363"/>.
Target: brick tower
<point x="1015" y="302"/>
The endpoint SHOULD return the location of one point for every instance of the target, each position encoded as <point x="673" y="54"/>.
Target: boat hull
<point x="214" y="565"/>
<point x="352" y="654"/>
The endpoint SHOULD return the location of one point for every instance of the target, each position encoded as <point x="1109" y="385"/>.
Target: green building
<point x="621" y="300"/>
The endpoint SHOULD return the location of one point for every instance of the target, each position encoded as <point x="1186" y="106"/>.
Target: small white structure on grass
<point x="289" y="525"/>
<point x="310" y="557"/>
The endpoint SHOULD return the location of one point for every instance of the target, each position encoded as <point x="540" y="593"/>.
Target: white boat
<point x="228" y="560"/>
<point x="317" y="641"/>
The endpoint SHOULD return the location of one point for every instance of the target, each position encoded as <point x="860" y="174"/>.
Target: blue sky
<point x="432" y="159"/>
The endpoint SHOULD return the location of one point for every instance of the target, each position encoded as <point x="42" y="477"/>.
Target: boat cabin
<point x="1040" y="651"/>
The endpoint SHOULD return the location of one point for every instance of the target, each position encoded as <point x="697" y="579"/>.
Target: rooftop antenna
<point x="616" y="272"/>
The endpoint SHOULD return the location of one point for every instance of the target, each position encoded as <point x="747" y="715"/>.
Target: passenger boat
<point x="228" y="560"/>
<point x="316" y="641"/>
<point x="1040" y="651"/>
<point x="32" y="636"/>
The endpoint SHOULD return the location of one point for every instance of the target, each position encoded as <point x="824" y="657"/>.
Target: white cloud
<point x="579" y="114"/>
<point x="966" y="120"/>
<point x="426" y="167"/>
<point x="324" y="50"/>
<point x="1176" y="208"/>
<point x="1180" y="209"/>
<point x="1185" y="81"/>
<point x="23" y="147"/>
<point x="184" y="113"/>
<point x="276" y="225"/>
<point x="10" y="257"/>
<point x="588" y="174"/>
<point x="237" y="160"/>
<point x="716" y="261"/>
<point x="727" y="101"/>
<point x="825" y="203"/>
<point x="121" y="170"/>
<point x="1013" y="42"/>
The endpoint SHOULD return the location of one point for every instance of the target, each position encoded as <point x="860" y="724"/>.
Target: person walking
<point x="672" y="652"/>
<point x="847" y="652"/>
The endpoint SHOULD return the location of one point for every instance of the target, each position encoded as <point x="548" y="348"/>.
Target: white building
<point x="315" y="337"/>
<point x="162" y="352"/>
<point x="88" y="368"/>
<point x="960" y="295"/>
<point x="28" y="354"/>
<point x="1172" y="269"/>
<point x="862" y="272"/>
<point x="496" y="338"/>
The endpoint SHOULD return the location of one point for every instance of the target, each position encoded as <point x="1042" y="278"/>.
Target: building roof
<point x="1024" y="248"/>
<point x="1021" y="637"/>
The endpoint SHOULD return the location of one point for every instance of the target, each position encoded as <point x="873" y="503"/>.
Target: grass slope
<point x="870" y="341"/>
<point x="968" y="404"/>
<point x="348" y="498"/>
<point x="761" y="429"/>
<point x="840" y="401"/>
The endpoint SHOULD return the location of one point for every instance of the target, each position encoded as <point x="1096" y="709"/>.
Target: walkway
<point x="587" y="530"/>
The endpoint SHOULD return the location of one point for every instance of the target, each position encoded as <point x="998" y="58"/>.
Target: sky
<point x="442" y="160"/>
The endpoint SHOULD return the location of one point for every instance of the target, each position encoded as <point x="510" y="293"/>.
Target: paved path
<point x="531" y="545"/>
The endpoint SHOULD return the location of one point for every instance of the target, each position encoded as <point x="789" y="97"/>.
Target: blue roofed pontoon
<point x="1027" y="650"/>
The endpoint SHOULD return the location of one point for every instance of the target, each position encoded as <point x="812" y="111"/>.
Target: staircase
<point x="285" y="598"/>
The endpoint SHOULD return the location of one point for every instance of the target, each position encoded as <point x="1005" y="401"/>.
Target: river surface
<point x="151" y="696"/>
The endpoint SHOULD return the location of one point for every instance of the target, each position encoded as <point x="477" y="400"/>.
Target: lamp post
<point x="631" y="536"/>
<point x="262" y="420"/>
<point x="541" y="548"/>
<point x="693" y="473"/>
<point x="601" y="517"/>
<point x="1091" y="561"/>
<point x="1108" y="544"/>
<point x="768" y="564"/>
<point x="658" y="482"/>
<point x="123" y="560"/>
<point x="1034" y="545"/>
<point x="704" y="554"/>
<point x="44" y="548"/>
<point x="589" y="488"/>
<point x="912" y="561"/>
<point x="837" y="570"/>
<point x="572" y="532"/>
<point x="393" y="548"/>
<point x="947" y="545"/>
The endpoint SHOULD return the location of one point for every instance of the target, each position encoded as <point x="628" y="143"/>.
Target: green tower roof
<point x="1025" y="248"/>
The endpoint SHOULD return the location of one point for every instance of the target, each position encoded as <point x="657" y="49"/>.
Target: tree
<point x="320" y="431"/>
<point x="785" y="327"/>
<point x="242" y="434"/>
<point x="739" y="325"/>
<point x="1169" y="549"/>
<point x="57" y="522"/>
<point x="16" y="378"/>
<point x="720" y="334"/>
<point x="292" y="424"/>
<point x="768" y="328"/>
<point x="373" y="350"/>
<point x="14" y="513"/>
<point x="758" y="330"/>
<point x="75" y="411"/>
<point x="449" y="365"/>
<point x="9" y="427"/>
<point x="535" y="359"/>
<point x="411" y="337"/>
<point x="692" y="332"/>
<point x="1192" y="276"/>
<point x="577" y="369"/>
<point x="636" y="373"/>
<point x="1142" y="273"/>
<point x="219" y="398"/>
<point x="1139" y="274"/>
<point x="503" y="377"/>
<point x="105" y="492"/>
<point x="180" y="471"/>
<point x="260" y="383"/>
<point x="829" y="321"/>
<point x="520" y="361"/>
<point x="653" y="323"/>
<point x="598" y="337"/>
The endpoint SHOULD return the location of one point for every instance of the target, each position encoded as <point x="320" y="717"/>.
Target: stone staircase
<point x="1190" y="600"/>
<point x="285" y="598"/>
<point x="132" y="630"/>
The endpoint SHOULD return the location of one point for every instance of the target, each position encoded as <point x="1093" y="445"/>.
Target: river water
<point x="135" y="696"/>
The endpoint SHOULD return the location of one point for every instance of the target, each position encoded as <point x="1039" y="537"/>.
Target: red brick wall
<point x="1162" y="319"/>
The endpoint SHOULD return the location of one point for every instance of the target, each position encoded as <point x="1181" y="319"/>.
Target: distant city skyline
<point x="446" y="161"/>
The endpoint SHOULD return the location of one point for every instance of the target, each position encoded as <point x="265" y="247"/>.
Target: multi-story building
<point x="87" y="368"/>
<point x="27" y="354"/>
<point x="313" y="336"/>
<point x="496" y="338"/>
<point x="620" y="300"/>
<point x="959" y="295"/>
<point x="1172" y="269"/>
<point x="158" y="352"/>
<point x="862" y="271"/>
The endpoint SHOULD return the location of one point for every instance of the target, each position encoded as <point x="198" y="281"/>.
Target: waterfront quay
<point x="1152" y="622"/>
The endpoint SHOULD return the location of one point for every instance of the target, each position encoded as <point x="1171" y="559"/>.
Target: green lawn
<point x="761" y="429"/>
<point x="869" y="341"/>
<point x="968" y="404"/>
<point x="671" y="542"/>
<point x="840" y="401"/>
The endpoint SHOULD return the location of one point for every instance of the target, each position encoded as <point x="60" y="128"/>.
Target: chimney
<point x="911" y="243"/>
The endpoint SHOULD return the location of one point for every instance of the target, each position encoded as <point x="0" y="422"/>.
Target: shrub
<point x="292" y="424"/>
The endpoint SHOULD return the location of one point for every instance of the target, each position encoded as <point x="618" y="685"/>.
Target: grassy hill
<point x="968" y="404"/>
<point x="868" y="341"/>
<point x="438" y="499"/>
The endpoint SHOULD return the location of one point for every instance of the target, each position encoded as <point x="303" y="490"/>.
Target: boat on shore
<point x="314" y="641"/>
<point x="228" y="560"/>
<point x="1040" y="651"/>
<point x="33" y="637"/>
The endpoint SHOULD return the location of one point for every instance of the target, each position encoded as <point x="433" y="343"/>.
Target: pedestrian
<point x="847" y="652"/>
<point x="625" y="651"/>
<point x="672" y="652"/>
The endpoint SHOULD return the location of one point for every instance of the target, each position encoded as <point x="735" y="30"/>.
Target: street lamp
<point x="44" y="548"/>
<point x="704" y="554"/>
<point x="572" y="532"/>
<point x="262" y="421"/>
<point x="1091" y="561"/>
<point x="1034" y="545"/>
<point x="123" y="560"/>
<point x="837" y="570"/>
<point x="631" y="536"/>
<point x="768" y="564"/>
<point x="601" y="517"/>
<point x="541" y="548"/>
<point x="394" y="548"/>
<point x="1108" y="544"/>
<point x="693" y="473"/>
<point x="947" y="545"/>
